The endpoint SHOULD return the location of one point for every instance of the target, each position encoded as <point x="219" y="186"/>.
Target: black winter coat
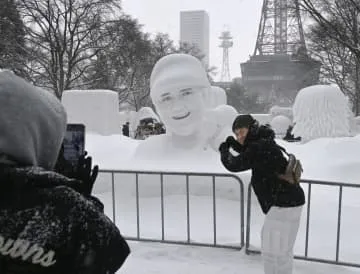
<point x="262" y="155"/>
<point x="46" y="226"/>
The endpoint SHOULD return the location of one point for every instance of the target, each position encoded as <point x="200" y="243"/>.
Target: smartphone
<point x="74" y="143"/>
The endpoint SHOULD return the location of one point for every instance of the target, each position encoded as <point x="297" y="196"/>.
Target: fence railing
<point x="162" y="184"/>
<point x="306" y="256"/>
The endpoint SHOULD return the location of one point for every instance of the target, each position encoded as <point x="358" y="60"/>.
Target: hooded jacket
<point x="46" y="226"/>
<point x="263" y="156"/>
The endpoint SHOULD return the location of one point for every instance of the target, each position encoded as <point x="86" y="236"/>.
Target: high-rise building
<point x="194" y="29"/>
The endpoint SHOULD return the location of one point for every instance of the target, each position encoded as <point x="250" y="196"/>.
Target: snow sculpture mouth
<point x="181" y="117"/>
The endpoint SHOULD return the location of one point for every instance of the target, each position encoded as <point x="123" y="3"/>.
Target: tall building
<point x="194" y="29"/>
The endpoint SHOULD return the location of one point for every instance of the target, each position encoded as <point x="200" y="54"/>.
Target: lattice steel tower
<point x="226" y="43"/>
<point x="280" y="65"/>
<point x="280" y="28"/>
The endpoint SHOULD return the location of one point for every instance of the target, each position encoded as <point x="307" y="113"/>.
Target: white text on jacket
<point x="26" y="251"/>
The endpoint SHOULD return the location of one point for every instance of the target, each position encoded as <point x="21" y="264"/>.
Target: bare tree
<point x="335" y="40"/>
<point x="62" y="38"/>
<point x="126" y="63"/>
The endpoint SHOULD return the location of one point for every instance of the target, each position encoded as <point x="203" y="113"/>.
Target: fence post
<point x="248" y="220"/>
<point x="113" y="196"/>
<point x="339" y="224"/>
<point x="214" y="208"/>
<point x="188" y="208"/>
<point x="137" y="207"/>
<point x="307" y="221"/>
<point x="162" y="206"/>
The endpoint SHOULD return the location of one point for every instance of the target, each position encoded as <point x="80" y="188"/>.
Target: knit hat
<point x="243" y="121"/>
<point x="177" y="71"/>
<point x="32" y="122"/>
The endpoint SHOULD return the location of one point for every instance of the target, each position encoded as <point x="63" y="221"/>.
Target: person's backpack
<point x="293" y="169"/>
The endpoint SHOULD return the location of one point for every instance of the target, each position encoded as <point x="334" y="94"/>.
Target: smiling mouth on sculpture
<point x="181" y="116"/>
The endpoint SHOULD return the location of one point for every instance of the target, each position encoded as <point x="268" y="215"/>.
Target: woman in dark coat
<point x="281" y="201"/>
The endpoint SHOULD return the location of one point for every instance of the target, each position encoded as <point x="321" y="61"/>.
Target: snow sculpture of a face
<point x="178" y="86"/>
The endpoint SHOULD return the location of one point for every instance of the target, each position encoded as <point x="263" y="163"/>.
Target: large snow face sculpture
<point x="179" y="86"/>
<point x="179" y="90"/>
<point x="321" y="111"/>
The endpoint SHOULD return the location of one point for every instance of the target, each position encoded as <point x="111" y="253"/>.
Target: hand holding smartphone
<point x="72" y="149"/>
<point x="74" y="143"/>
<point x="73" y="161"/>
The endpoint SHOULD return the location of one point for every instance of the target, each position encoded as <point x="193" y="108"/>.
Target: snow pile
<point x="217" y="96"/>
<point x="280" y="124"/>
<point x="147" y="112"/>
<point x="321" y="111"/>
<point x="283" y="111"/>
<point x="261" y="118"/>
<point x="225" y="115"/>
<point x="98" y="110"/>
<point x="328" y="159"/>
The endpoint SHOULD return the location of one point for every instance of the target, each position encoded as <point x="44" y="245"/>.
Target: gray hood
<point x="32" y="122"/>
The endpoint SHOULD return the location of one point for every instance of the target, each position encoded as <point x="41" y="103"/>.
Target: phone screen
<point x="72" y="148"/>
<point x="74" y="143"/>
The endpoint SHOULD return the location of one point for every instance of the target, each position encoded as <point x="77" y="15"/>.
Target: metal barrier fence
<point x="308" y="204"/>
<point x="188" y="208"/>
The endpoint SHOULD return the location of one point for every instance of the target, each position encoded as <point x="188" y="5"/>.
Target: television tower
<point x="226" y="43"/>
<point x="280" y="65"/>
<point x="280" y="28"/>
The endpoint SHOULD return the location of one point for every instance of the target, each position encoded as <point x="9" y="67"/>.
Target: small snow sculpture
<point x="280" y="124"/>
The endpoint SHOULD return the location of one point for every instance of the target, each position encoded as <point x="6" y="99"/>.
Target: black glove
<point x="86" y="174"/>
<point x="224" y="147"/>
<point x="230" y="140"/>
<point x="234" y="144"/>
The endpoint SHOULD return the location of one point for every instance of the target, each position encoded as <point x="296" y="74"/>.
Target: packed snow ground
<point x="152" y="258"/>
<point x="331" y="159"/>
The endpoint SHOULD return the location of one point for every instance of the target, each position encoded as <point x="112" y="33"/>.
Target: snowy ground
<point x="158" y="257"/>
<point x="323" y="159"/>
<point x="162" y="258"/>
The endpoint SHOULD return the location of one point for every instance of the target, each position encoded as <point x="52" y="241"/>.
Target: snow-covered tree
<point x="321" y="111"/>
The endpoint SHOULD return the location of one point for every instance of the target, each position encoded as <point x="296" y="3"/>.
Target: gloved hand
<point x="85" y="173"/>
<point x="224" y="147"/>
<point x="230" y="140"/>
<point x="234" y="144"/>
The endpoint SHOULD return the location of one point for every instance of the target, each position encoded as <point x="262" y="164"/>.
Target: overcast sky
<point x="240" y="16"/>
